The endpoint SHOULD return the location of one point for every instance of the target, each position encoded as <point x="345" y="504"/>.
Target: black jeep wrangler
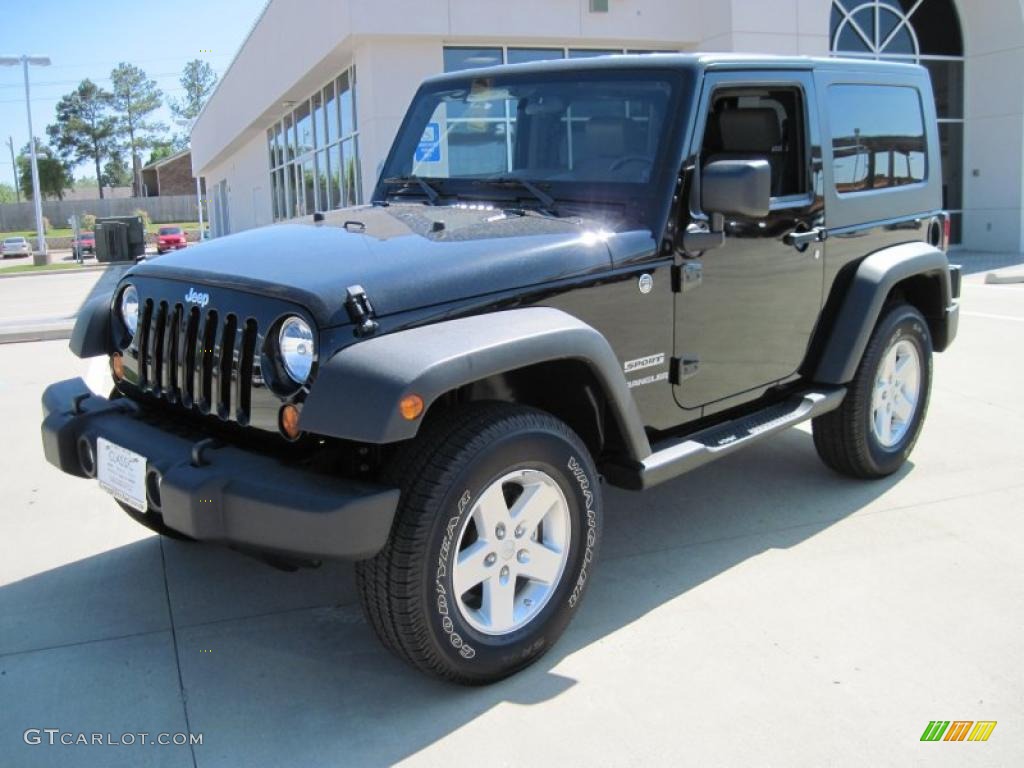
<point x="575" y="272"/>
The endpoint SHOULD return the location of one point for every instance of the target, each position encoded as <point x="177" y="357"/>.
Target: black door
<point x="747" y="309"/>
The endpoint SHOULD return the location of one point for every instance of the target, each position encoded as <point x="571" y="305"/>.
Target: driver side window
<point x="760" y="124"/>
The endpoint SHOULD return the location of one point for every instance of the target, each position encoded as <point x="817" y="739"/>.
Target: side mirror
<point x="737" y="187"/>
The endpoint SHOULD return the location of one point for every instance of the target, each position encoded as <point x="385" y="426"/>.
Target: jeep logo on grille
<point x="194" y="297"/>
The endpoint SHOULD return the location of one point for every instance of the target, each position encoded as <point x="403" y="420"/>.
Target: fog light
<point x="86" y="456"/>
<point x="153" y="480"/>
<point x="411" y="406"/>
<point x="117" y="366"/>
<point x="290" y="422"/>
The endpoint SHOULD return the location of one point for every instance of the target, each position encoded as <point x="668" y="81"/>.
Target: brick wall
<point x="176" y="177"/>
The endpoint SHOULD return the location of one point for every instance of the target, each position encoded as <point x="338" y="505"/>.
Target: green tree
<point x="198" y="80"/>
<point x="6" y="193"/>
<point x="135" y="99"/>
<point x="84" y="129"/>
<point x="54" y="173"/>
<point x="116" y="172"/>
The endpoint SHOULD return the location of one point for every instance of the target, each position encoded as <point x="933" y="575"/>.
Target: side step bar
<point x="678" y="455"/>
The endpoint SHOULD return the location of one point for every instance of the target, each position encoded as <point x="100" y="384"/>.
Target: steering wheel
<point x="617" y="165"/>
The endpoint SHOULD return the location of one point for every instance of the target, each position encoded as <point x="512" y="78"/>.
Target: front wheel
<point x="492" y="547"/>
<point x="873" y="432"/>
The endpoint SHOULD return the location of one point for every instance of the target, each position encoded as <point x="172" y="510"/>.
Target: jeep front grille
<point x="197" y="357"/>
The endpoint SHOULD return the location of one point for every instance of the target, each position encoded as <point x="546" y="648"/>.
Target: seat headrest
<point x="749" y="130"/>
<point x="605" y="136"/>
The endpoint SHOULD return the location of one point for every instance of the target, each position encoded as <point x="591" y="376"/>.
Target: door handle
<point x="802" y="239"/>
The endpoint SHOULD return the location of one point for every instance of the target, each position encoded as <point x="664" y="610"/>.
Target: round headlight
<point x="295" y="341"/>
<point x="129" y="309"/>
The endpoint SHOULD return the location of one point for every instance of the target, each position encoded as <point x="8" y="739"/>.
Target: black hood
<point x="406" y="256"/>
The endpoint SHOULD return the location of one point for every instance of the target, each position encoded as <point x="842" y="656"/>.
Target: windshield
<point x="14" y="241"/>
<point x="170" y="230"/>
<point x="597" y="127"/>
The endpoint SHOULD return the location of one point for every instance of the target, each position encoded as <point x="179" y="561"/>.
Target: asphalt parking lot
<point x="759" y="611"/>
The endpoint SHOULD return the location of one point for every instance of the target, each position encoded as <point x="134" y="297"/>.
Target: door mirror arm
<point x="701" y="237"/>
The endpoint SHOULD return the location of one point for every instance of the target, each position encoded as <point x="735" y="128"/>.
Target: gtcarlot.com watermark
<point x="55" y="736"/>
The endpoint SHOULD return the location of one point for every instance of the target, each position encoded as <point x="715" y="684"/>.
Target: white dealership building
<point x="306" y="112"/>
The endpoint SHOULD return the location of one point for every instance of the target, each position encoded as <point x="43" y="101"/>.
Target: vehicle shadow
<point x="281" y="669"/>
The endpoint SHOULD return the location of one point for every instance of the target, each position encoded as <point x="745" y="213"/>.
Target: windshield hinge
<point x="687" y="276"/>
<point x="683" y="368"/>
<point x="360" y="311"/>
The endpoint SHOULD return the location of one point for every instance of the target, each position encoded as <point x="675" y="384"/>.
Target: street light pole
<point x="14" y="165"/>
<point x="199" y="181"/>
<point x="39" y="61"/>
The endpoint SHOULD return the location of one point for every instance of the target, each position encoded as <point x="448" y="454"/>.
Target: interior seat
<point x="747" y="134"/>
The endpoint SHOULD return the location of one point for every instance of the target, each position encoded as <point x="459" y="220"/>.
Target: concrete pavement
<point x="759" y="611"/>
<point x="43" y="307"/>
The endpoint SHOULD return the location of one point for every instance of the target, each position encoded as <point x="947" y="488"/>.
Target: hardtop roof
<point x="681" y="61"/>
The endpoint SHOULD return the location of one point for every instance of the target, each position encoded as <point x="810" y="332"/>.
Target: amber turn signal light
<point x="410" y="406"/>
<point x="117" y="366"/>
<point x="290" y="422"/>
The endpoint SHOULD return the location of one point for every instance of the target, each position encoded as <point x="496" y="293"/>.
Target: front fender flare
<point x="872" y="283"/>
<point x="357" y="391"/>
<point x="91" y="335"/>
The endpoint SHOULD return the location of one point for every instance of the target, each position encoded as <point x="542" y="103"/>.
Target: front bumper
<point x="223" y="494"/>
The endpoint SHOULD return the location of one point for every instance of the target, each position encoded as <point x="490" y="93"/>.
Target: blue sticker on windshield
<point x="429" y="148"/>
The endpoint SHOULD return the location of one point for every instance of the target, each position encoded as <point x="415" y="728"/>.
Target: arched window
<point x="925" y="32"/>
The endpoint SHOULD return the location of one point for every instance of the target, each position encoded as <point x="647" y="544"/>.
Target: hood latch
<point x="360" y="311"/>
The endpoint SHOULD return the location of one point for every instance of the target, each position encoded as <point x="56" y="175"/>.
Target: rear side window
<point x="878" y="139"/>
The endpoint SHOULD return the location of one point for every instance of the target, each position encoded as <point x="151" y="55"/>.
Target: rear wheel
<point x="492" y="547"/>
<point x="873" y="432"/>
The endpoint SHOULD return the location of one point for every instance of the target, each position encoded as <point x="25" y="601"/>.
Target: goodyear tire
<point x="493" y="544"/>
<point x="873" y="432"/>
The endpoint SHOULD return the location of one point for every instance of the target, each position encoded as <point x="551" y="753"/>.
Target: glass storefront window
<point x="948" y="84"/>
<point x="275" y="209"/>
<point x="331" y="109"/>
<point x="348" y="117"/>
<point x="334" y="182"/>
<point x="350" y="171"/>
<point x="587" y="53"/>
<point x="282" y="198"/>
<point x="289" y="130"/>
<point x="321" y="183"/>
<point x="319" y="121"/>
<point x="289" y="190"/>
<point x="524" y="55"/>
<point x="303" y="129"/>
<point x="313" y="160"/>
<point x="457" y="59"/>
<point x="308" y="171"/>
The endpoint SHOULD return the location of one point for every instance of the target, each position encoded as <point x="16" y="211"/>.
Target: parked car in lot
<point x="16" y="246"/>
<point x="170" y="239"/>
<point x="676" y="257"/>
<point x="86" y="243"/>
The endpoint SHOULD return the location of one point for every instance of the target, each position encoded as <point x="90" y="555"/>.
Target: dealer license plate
<point x="122" y="473"/>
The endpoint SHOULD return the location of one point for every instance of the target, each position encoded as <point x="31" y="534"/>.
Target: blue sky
<point x="88" y="39"/>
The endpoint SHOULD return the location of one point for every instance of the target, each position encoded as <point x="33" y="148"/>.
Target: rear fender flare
<point x="874" y="280"/>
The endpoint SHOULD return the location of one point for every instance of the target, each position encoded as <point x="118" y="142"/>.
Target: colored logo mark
<point x="958" y="730"/>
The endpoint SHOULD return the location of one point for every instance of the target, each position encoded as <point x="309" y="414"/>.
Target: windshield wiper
<point x="432" y="194"/>
<point x="545" y="199"/>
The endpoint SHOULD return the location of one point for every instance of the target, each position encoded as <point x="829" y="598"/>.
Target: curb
<point x="36" y="333"/>
<point x="994" y="278"/>
<point x="40" y="273"/>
